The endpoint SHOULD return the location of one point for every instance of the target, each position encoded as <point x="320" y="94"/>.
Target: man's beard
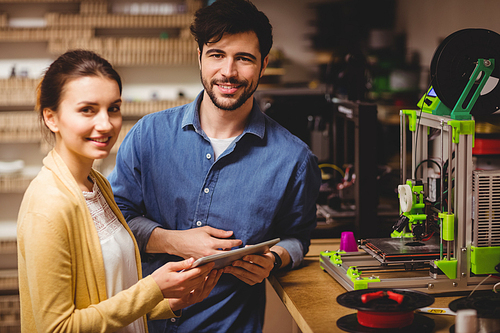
<point x="229" y="105"/>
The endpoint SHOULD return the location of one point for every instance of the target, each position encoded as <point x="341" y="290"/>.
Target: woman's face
<point x="88" y="120"/>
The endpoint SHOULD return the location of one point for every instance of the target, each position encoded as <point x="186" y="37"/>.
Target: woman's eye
<point x="86" y="110"/>
<point x="114" y="109"/>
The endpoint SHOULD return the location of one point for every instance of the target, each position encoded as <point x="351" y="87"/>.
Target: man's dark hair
<point x="232" y="17"/>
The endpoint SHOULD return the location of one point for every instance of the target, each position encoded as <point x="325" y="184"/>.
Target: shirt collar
<point x="256" y="124"/>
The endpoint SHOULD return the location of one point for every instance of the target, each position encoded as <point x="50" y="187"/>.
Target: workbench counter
<point x="310" y="294"/>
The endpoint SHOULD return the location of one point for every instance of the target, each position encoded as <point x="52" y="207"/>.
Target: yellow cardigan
<point x="62" y="283"/>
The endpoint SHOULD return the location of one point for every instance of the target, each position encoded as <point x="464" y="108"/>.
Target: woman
<point x="79" y="265"/>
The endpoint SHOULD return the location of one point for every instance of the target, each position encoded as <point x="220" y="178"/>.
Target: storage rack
<point x="123" y="39"/>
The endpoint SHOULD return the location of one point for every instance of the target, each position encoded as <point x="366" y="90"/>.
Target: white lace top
<point x="117" y="250"/>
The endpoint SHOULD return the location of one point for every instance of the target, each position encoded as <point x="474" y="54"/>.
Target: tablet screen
<point x="226" y="258"/>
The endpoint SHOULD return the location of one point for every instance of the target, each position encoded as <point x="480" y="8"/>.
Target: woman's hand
<point x="177" y="280"/>
<point x="198" y="294"/>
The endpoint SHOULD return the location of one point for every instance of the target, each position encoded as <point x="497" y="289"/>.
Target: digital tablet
<point x="226" y="258"/>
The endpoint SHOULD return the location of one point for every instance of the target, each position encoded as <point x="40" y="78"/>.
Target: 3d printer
<point x="447" y="238"/>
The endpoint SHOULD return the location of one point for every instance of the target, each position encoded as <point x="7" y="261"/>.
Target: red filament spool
<point x="385" y="319"/>
<point x="385" y="309"/>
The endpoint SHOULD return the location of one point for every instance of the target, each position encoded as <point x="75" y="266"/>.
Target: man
<point x="217" y="174"/>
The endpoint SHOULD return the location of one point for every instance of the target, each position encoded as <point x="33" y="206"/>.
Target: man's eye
<point x="243" y="59"/>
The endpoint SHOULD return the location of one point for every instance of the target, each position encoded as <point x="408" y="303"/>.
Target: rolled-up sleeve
<point x="126" y="181"/>
<point x="142" y="228"/>
<point x="297" y="217"/>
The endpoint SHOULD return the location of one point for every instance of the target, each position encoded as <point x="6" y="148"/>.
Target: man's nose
<point x="229" y="68"/>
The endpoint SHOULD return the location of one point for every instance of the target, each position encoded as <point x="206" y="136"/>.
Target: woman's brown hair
<point x="70" y="65"/>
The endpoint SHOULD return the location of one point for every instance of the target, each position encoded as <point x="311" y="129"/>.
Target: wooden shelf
<point x="125" y="45"/>
<point x="140" y="109"/>
<point x="87" y="30"/>
<point x="43" y="34"/>
<point x="8" y="246"/>
<point x="16" y="183"/>
<point x="133" y="51"/>
<point x="8" y="279"/>
<point x="19" y="126"/>
<point x="10" y="317"/>
<point x="119" y="21"/>
<point x="15" y="121"/>
<point x="18" y="83"/>
<point x="40" y="1"/>
<point x="18" y="91"/>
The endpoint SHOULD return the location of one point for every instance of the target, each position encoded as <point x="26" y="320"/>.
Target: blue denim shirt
<point x="264" y="185"/>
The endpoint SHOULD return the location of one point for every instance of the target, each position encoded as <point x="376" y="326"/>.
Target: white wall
<point x="292" y="22"/>
<point x="427" y="22"/>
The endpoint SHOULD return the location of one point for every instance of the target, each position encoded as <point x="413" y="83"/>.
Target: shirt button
<point x="172" y="320"/>
<point x="206" y="190"/>
<point x="209" y="156"/>
<point x="199" y="223"/>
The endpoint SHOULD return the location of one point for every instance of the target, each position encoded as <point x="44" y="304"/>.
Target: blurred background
<point x="339" y="72"/>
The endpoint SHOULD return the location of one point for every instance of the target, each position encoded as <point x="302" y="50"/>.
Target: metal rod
<point x="442" y="168"/>
<point x="442" y="190"/>
<point x="450" y="160"/>
<point x="402" y="152"/>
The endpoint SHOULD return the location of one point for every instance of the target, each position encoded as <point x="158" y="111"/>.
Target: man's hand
<point x="195" y="243"/>
<point x="254" y="268"/>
